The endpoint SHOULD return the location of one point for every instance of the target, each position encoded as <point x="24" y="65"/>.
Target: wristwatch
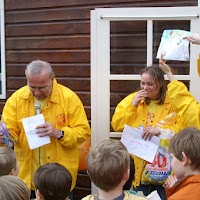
<point x="62" y="134"/>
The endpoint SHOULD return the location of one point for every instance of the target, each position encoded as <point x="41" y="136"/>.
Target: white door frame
<point x="100" y="57"/>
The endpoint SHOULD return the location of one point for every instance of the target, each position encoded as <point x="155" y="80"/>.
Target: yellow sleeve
<point x="184" y="103"/>
<point x="174" y="122"/>
<point x="125" y="113"/>
<point x="9" y="117"/>
<point x="78" y="128"/>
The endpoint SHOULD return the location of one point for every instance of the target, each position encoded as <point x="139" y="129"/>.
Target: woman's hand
<point x="141" y="94"/>
<point x="194" y="38"/>
<point x="166" y="68"/>
<point x="149" y="131"/>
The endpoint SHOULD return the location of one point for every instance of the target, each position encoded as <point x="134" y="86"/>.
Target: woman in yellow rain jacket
<point x="150" y="108"/>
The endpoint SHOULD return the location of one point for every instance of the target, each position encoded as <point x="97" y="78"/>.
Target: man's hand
<point x="47" y="129"/>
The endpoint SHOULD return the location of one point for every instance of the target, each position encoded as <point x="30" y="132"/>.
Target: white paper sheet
<point x="145" y="149"/>
<point x="153" y="196"/>
<point x="29" y="124"/>
<point x="173" y="46"/>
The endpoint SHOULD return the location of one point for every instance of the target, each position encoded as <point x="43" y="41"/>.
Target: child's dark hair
<point x="53" y="181"/>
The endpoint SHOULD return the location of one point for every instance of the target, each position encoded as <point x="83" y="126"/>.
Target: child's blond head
<point x="107" y="164"/>
<point x="8" y="162"/>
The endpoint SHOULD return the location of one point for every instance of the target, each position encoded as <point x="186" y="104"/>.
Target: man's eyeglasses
<point x="41" y="89"/>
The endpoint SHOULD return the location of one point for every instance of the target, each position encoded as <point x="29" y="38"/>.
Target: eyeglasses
<point x="41" y="89"/>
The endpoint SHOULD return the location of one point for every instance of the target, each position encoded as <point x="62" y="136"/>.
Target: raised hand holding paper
<point x="173" y="46"/>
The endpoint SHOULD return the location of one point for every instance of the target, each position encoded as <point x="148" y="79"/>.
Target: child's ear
<point x="186" y="160"/>
<point x="13" y="172"/>
<point x="38" y="195"/>
<point x="126" y="175"/>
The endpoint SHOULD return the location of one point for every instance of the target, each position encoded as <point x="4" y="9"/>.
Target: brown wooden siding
<point x="59" y="32"/>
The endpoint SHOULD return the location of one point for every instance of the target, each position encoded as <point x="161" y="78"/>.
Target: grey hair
<point x="37" y="66"/>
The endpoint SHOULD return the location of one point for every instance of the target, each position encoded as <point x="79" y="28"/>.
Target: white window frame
<point x="3" y="62"/>
<point x="100" y="55"/>
<point x="100" y="58"/>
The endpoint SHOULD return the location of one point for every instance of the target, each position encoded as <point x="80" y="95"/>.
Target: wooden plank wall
<point x="59" y="32"/>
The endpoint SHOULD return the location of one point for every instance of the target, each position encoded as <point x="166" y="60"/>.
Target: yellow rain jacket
<point x="65" y="111"/>
<point x="126" y="113"/>
<point x="184" y="103"/>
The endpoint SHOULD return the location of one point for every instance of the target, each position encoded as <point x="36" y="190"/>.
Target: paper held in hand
<point x="29" y="124"/>
<point x="173" y="46"/>
<point x="145" y="149"/>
